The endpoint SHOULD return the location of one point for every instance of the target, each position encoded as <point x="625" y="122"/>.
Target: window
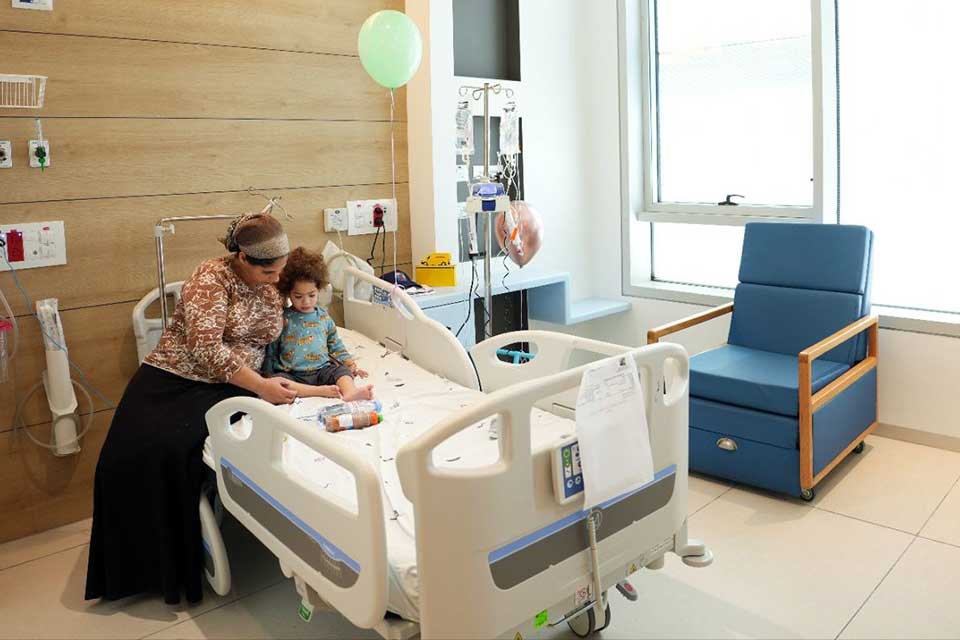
<point x="731" y="109"/>
<point x="899" y="135"/>
<point x="897" y="111"/>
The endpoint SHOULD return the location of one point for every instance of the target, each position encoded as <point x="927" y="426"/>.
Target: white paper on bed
<point x="612" y="431"/>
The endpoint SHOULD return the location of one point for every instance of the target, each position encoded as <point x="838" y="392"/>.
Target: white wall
<point x="562" y="158"/>
<point x="570" y="102"/>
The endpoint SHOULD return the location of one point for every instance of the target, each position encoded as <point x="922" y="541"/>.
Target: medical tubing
<point x="598" y="603"/>
<point x="473" y="273"/>
<point x="16" y="329"/>
<point x="72" y="364"/>
<point x="18" y="421"/>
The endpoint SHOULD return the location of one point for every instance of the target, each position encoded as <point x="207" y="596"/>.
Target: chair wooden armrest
<point x="654" y="335"/>
<point x="810" y="404"/>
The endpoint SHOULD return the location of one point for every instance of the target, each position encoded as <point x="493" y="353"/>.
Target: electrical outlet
<point x="360" y="216"/>
<point x="37" y="244"/>
<point x="335" y="219"/>
<point x="34" y="160"/>
<point x="39" y="5"/>
<point x="6" y="155"/>
<point x="463" y="173"/>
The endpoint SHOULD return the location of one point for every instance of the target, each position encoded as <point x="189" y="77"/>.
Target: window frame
<point x="823" y="77"/>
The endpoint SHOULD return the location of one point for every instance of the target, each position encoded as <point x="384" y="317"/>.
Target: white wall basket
<point x="22" y="92"/>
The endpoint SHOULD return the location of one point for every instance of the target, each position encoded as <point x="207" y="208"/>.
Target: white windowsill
<point x="892" y="318"/>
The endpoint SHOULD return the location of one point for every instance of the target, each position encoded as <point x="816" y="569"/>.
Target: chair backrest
<point x="799" y="283"/>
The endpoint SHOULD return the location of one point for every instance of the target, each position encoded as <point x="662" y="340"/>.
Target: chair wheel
<point x="807" y="494"/>
<point x="585" y="624"/>
<point x="859" y="448"/>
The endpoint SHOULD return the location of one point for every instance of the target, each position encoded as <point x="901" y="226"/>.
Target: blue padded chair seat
<point x="756" y="379"/>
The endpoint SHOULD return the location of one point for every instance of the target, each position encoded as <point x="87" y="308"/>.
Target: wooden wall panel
<point x="97" y="158"/>
<point x="103" y="235"/>
<point x="328" y="26"/>
<point x="39" y="491"/>
<point x="170" y="107"/>
<point x="190" y="81"/>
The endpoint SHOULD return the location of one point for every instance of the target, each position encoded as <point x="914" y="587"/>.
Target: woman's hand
<point x="276" y="390"/>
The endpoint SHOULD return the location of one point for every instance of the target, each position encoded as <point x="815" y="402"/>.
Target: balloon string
<point x="393" y="183"/>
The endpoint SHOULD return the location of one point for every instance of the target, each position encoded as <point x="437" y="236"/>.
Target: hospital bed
<point x="445" y="520"/>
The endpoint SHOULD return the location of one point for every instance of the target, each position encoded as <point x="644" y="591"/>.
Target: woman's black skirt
<point x="146" y="522"/>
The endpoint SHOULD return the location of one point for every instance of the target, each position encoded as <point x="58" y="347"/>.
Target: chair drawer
<point x="745" y="461"/>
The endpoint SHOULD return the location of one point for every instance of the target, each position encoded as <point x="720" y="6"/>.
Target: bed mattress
<point x="413" y="401"/>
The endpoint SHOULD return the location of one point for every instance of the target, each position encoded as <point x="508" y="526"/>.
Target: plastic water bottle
<point x="346" y="421"/>
<point x="357" y="406"/>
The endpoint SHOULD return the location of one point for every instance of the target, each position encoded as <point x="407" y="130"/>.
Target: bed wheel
<point x="859" y="448"/>
<point x="586" y="624"/>
<point x="807" y="494"/>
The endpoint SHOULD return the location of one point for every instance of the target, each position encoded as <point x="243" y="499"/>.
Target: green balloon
<point x="390" y="48"/>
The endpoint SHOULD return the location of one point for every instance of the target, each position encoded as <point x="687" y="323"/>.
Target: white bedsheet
<point x="413" y="401"/>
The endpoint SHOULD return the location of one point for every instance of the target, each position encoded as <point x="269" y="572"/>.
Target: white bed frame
<point x="338" y="557"/>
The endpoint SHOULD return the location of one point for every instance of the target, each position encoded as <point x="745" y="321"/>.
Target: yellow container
<point x="437" y="270"/>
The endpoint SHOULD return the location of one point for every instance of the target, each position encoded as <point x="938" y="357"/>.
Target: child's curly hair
<point x="303" y="265"/>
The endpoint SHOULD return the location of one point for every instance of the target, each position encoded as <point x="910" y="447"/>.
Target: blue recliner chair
<point x="794" y="390"/>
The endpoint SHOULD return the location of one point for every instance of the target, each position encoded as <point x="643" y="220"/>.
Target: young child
<point x="309" y="352"/>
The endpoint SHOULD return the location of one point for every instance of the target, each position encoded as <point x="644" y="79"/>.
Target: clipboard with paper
<point x="612" y="429"/>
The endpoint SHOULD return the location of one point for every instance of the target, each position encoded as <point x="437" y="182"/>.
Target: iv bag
<point x="464" y="129"/>
<point x="510" y="130"/>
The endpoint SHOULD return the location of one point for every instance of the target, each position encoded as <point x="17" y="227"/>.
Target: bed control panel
<point x="567" y="473"/>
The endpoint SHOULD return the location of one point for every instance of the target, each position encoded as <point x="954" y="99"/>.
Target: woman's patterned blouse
<point x="220" y="325"/>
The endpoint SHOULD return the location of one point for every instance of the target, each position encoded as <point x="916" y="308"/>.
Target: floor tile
<point x="43" y="544"/>
<point x="703" y="490"/>
<point x="270" y="613"/>
<point x="43" y="598"/>
<point x="917" y="600"/>
<point x="779" y="572"/>
<point x="892" y="483"/>
<point x="945" y="523"/>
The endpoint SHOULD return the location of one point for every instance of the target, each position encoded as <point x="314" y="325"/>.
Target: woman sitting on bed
<point x="146" y="525"/>
<point x="309" y="352"/>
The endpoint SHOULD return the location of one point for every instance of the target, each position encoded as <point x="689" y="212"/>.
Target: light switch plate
<point x="335" y="219"/>
<point x="33" y="157"/>
<point x="38" y="5"/>
<point x="6" y="154"/>
<point x="360" y="216"/>
<point x="44" y="244"/>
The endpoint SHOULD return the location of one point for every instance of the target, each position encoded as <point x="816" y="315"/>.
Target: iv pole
<point x="166" y="225"/>
<point x="475" y="93"/>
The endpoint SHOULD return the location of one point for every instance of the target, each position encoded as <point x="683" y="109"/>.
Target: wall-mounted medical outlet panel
<point x="335" y="219"/>
<point x="33" y="244"/>
<point x="6" y="155"/>
<point x="361" y="215"/>
<point x="34" y="160"/>
<point x="39" y="5"/>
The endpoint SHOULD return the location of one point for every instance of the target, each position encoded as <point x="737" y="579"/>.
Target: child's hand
<point x="358" y="372"/>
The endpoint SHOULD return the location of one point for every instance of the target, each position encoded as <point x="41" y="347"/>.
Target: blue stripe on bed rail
<point x="332" y="550"/>
<point x="550" y="529"/>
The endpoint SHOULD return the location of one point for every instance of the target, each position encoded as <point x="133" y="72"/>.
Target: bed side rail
<point x="400" y="324"/>
<point x="553" y="353"/>
<point x="340" y="554"/>
<point x="469" y="520"/>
